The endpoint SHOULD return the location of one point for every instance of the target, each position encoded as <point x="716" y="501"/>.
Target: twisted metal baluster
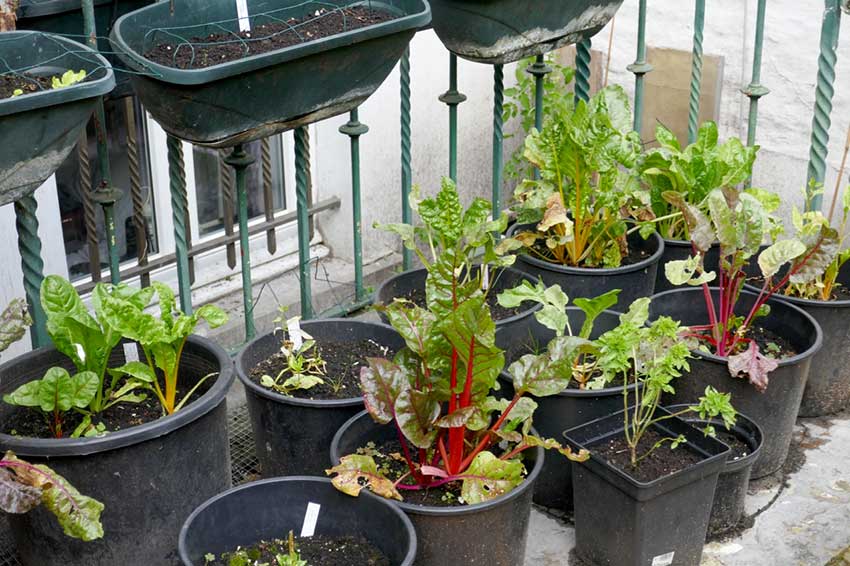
<point x="227" y="205"/>
<point x="302" y="189"/>
<point x="89" y="210"/>
<point x="583" y="70"/>
<point x="824" y="92"/>
<point x="498" y="136"/>
<point x="179" y="205"/>
<point x="134" y="165"/>
<point x="268" y="197"/>
<point x="406" y="214"/>
<point x="696" y="72"/>
<point x="32" y="265"/>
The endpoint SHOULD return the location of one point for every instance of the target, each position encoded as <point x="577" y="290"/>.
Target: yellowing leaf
<point x="357" y="471"/>
<point x="489" y="477"/>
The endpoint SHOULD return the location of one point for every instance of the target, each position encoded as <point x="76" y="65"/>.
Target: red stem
<point x="53" y="481"/>
<point x="485" y="442"/>
<point x="417" y="475"/>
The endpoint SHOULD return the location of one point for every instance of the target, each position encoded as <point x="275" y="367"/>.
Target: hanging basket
<point x="39" y="130"/>
<point x="266" y="93"/>
<point x="504" y="31"/>
<point x="65" y="17"/>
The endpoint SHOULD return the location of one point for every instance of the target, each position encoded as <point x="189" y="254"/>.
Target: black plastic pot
<point x="624" y="522"/>
<point x="828" y="388"/>
<point x="775" y="410"/>
<point x="269" y="509"/>
<point x="292" y="434"/>
<point x="677" y="250"/>
<point x="149" y="477"/>
<point x="503" y="31"/>
<point x="506" y="278"/>
<point x="568" y="409"/>
<point x="731" y="492"/>
<point x="635" y="281"/>
<point x="492" y="533"/>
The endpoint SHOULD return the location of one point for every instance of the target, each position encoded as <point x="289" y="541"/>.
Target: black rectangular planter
<point x="623" y="522"/>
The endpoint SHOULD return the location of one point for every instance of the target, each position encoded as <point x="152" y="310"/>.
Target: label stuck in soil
<point x="293" y="328"/>
<point x="311" y="517"/>
<point x="131" y="353"/>
<point x="663" y="559"/>
<point x="242" y="12"/>
<point x="485" y="277"/>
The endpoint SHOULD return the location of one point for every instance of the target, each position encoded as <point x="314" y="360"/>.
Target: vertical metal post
<point x="240" y="160"/>
<point x="32" y="265"/>
<point x="177" y="186"/>
<point x="696" y="71"/>
<point x="89" y="209"/>
<point x="406" y="214"/>
<point x="452" y="98"/>
<point x="755" y="90"/>
<point x="302" y="181"/>
<point x="268" y="196"/>
<point x="139" y="220"/>
<point x="498" y="137"/>
<point x="824" y="92"/>
<point x="539" y="69"/>
<point x="583" y="70"/>
<point x="354" y="129"/>
<point x="640" y="67"/>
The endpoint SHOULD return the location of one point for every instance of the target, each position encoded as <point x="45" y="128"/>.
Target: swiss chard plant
<point x="437" y="391"/>
<point x="693" y="172"/>
<point x="14" y="321"/>
<point x="162" y="339"/>
<point x="652" y="356"/>
<point x="740" y="222"/>
<point x="586" y="192"/>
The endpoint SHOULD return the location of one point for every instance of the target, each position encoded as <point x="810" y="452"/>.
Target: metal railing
<point x="105" y="195"/>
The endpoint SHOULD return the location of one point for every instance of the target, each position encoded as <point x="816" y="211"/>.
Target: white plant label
<point x="131" y="353"/>
<point x="485" y="276"/>
<point x="311" y="517"/>
<point x="242" y="12"/>
<point x="663" y="559"/>
<point x="293" y="328"/>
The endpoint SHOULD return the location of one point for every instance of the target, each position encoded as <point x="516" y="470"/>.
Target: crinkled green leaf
<point x="413" y="323"/>
<point x="356" y="471"/>
<point x="138" y="370"/>
<point x="782" y="252"/>
<point x="416" y="412"/>
<point x="593" y="308"/>
<point x="13" y="323"/>
<point x="537" y="375"/>
<point x="26" y="395"/>
<point x="213" y="316"/>
<point x="406" y="232"/>
<point x="444" y="214"/>
<point x="302" y="381"/>
<point x="552" y="315"/>
<point x="638" y="312"/>
<point x="666" y="138"/>
<point x="471" y="331"/>
<point x="382" y="382"/>
<point x="820" y="253"/>
<point x="723" y="219"/>
<point x="488" y="477"/>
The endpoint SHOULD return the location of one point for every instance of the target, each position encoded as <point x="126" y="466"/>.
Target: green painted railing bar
<point x="406" y="214"/>
<point x="32" y="266"/>
<point x="640" y="67"/>
<point x="302" y="189"/>
<point x="111" y="244"/>
<point x="240" y="160"/>
<point x="755" y="90"/>
<point x="539" y="69"/>
<point x="583" y="70"/>
<point x="696" y="71"/>
<point x="824" y="92"/>
<point x="452" y="98"/>
<point x="498" y="136"/>
<point x="177" y="187"/>
<point x="354" y="129"/>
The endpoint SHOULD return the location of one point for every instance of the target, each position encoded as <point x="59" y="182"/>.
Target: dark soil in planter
<point x="661" y="462"/>
<point x="737" y="447"/>
<point x="770" y="343"/>
<point x="497" y="311"/>
<point x="634" y="256"/>
<point x="218" y="48"/>
<point x="29" y="422"/>
<point x="318" y="549"/>
<point x="839" y="292"/>
<point x="27" y="83"/>
<point x="343" y="361"/>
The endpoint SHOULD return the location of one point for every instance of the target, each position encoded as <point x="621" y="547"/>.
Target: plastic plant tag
<point x="131" y="353"/>
<point x="485" y="277"/>
<point x="663" y="559"/>
<point x="293" y="328"/>
<point x="311" y="517"/>
<point x="242" y="12"/>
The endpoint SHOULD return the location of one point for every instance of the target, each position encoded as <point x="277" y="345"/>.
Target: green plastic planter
<point x="260" y="95"/>
<point x="39" y="130"/>
<point x="66" y="17"/>
<point x="503" y="31"/>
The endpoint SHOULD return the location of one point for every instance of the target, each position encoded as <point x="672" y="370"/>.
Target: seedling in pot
<point x="436" y="392"/>
<point x="740" y="221"/>
<point x="305" y="367"/>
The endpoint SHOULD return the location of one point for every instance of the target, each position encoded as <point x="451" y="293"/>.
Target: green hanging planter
<point x="39" y="130"/>
<point x="65" y="17"/>
<point x="503" y="31"/>
<point x="263" y="94"/>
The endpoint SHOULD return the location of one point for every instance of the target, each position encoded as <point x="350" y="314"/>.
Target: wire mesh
<point x="8" y="556"/>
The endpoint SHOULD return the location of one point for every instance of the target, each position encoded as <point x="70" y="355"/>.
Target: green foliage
<point x="583" y="154"/>
<point x="305" y="367"/>
<point x="55" y="394"/>
<point x="24" y="486"/>
<point x="67" y="79"/>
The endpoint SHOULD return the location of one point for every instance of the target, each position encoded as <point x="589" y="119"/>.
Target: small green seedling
<point x="305" y="367"/>
<point x="67" y="79"/>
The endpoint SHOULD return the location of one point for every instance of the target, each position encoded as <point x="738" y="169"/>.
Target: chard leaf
<point x="489" y="477"/>
<point x="471" y="331"/>
<point x="302" y="381"/>
<point x="84" y="387"/>
<point x="687" y="271"/>
<point x="667" y="139"/>
<point x="459" y="418"/>
<point x="555" y="214"/>
<point x="723" y="220"/>
<point x="16" y="497"/>
<point x="552" y="444"/>
<point x="13" y="323"/>
<point x="774" y="257"/>
<point x="535" y="374"/>
<point x="754" y="365"/>
<point x="552" y="315"/>
<point x="638" y="312"/>
<point x="406" y="232"/>
<point x="593" y="308"/>
<point x="356" y="471"/>
<point x="212" y="315"/>
<point x="382" y="383"/>
<point x="55" y="390"/>
<point x="521" y="413"/>
<point x="699" y="226"/>
<point x="821" y="250"/>
<point x="413" y="323"/>
<point x="444" y="214"/>
<point x="26" y="395"/>
<point x="416" y="413"/>
<point x="138" y="370"/>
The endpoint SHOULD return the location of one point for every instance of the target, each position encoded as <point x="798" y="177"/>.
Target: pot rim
<point x="793" y="360"/>
<point x="297" y="401"/>
<point x="58" y="447"/>
<point x="590" y="271"/>
<point x="501" y="322"/>
<point x="399" y="514"/>
<point x="456" y="511"/>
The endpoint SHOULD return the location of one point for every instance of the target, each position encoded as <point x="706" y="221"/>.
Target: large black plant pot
<point x="268" y="509"/>
<point x="568" y="409"/>
<point x="149" y="477"/>
<point x="503" y="31"/>
<point x="292" y="434"/>
<point x="775" y="410"/>
<point x="257" y="96"/>
<point x="491" y="533"/>
<point x="621" y="521"/>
